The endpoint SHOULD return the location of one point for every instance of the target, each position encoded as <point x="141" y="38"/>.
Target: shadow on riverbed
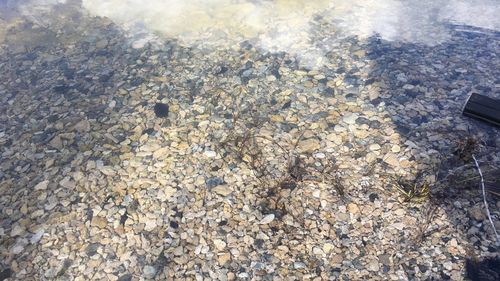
<point x="62" y="120"/>
<point x="423" y="90"/>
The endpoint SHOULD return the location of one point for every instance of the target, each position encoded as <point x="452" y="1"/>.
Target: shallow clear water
<point x="232" y="139"/>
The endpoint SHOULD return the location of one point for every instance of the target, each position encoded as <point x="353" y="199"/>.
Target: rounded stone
<point x="149" y="272"/>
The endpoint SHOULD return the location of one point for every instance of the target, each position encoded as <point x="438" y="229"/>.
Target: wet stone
<point x="149" y="272"/>
<point x="161" y="110"/>
<point x="5" y="274"/>
<point x="126" y="277"/>
<point x="373" y="197"/>
<point x="92" y="249"/>
<point x="213" y="182"/>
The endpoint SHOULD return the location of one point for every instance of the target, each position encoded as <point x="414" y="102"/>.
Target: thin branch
<point x="484" y="199"/>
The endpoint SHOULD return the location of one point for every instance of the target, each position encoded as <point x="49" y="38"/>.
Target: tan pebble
<point x="42" y="185"/>
<point x="56" y="142"/>
<point x="396" y="148"/>
<point x="336" y="259"/>
<point x="223" y="190"/>
<point x="353" y="208"/>
<point x="219" y="244"/>
<point x="224" y="258"/>
<point x="476" y="213"/>
<point x="162" y="152"/>
<point x="405" y="163"/>
<point x="82" y="126"/>
<point x="391" y="159"/>
<point x="308" y="145"/>
<point x="373" y="266"/>
<point x="328" y="247"/>
<point x="99" y="222"/>
<point x="17" y="230"/>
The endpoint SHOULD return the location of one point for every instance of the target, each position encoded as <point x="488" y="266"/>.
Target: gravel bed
<point x="167" y="162"/>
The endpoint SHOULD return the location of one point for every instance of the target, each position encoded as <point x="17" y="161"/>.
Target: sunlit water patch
<point x="283" y="25"/>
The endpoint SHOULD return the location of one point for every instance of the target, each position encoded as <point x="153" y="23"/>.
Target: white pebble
<point x="267" y="219"/>
<point x="210" y="154"/>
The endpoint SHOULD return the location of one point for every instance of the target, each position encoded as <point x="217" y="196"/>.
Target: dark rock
<point x="287" y="127"/>
<point x="61" y="89"/>
<point x="69" y="73"/>
<point x="374" y="124"/>
<point x="360" y="154"/>
<point x="89" y="214"/>
<point x="6" y="273"/>
<point x="323" y="81"/>
<point x="358" y="264"/>
<point x="136" y="81"/>
<point x="363" y="120"/>
<point x="220" y="70"/>
<point x="105" y="76"/>
<point x="53" y="118"/>
<point x="350" y="97"/>
<point x="373" y="197"/>
<point x="423" y="268"/>
<point x="67" y="263"/>
<point x="213" y="182"/>
<point x="178" y="214"/>
<point x="376" y="101"/>
<point x="160" y="262"/>
<point x="8" y="143"/>
<point x="244" y="80"/>
<point x="92" y="249"/>
<point x="126" y="277"/>
<point x="328" y="92"/>
<point x="286" y="105"/>
<point x="174" y="224"/>
<point x="258" y="243"/>
<point x="319" y="116"/>
<point x="276" y="73"/>
<point x="403" y="130"/>
<point x="411" y="93"/>
<point x="288" y="185"/>
<point x="420" y="119"/>
<point x="336" y="270"/>
<point x="123" y="218"/>
<point x="161" y="110"/>
<point x="148" y="131"/>
<point x="445" y="276"/>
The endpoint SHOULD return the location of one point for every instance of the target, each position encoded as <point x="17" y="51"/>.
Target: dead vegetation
<point x="416" y="190"/>
<point x="281" y="171"/>
<point x="278" y="166"/>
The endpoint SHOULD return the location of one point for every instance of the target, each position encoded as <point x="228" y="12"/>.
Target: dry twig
<point x="484" y="200"/>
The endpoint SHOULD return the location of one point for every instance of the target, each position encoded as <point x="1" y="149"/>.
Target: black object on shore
<point x="485" y="270"/>
<point x="483" y="108"/>
<point x="161" y="110"/>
